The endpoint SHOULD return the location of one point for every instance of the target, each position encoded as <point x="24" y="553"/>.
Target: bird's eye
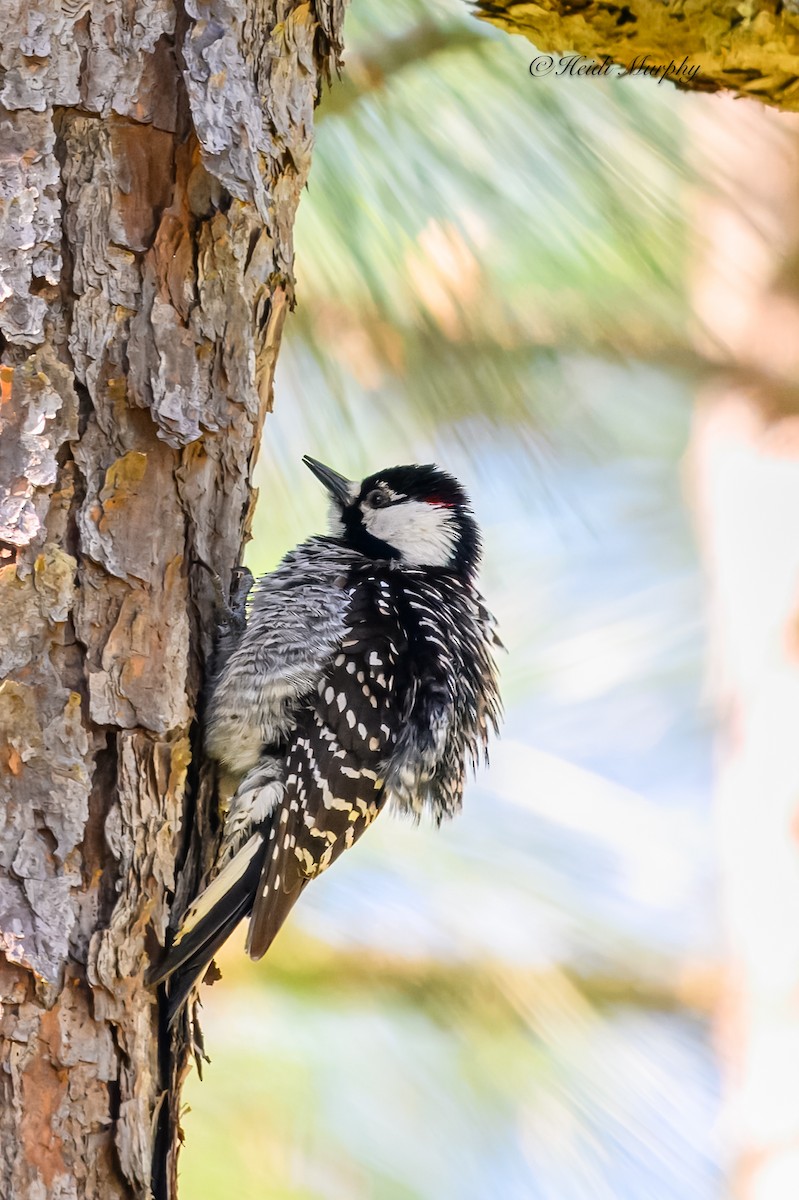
<point x="377" y="499"/>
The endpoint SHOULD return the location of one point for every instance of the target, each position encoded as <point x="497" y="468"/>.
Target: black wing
<point x="334" y="777"/>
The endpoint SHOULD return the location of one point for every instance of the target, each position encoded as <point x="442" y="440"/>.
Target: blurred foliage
<point x="468" y="225"/>
<point x="491" y="273"/>
<point x="472" y="237"/>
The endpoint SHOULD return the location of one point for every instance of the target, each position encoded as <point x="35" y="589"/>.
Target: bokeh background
<point x="576" y="294"/>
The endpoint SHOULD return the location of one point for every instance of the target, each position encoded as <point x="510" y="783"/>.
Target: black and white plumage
<point x="364" y="674"/>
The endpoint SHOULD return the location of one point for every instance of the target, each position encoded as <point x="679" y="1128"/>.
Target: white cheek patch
<point x="424" y="534"/>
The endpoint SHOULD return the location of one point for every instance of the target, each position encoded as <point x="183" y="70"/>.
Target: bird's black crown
<point x="427" y="482"/>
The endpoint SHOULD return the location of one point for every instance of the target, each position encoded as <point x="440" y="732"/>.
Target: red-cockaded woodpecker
<point x="365" y="673"/>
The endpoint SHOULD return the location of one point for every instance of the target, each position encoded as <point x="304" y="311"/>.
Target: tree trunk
<point x="153" y="159"/>
<point x="746" y="470"/>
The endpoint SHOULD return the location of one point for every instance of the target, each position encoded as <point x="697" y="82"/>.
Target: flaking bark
<point x="153" y="158"/>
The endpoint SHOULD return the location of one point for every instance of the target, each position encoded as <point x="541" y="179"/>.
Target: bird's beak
<point x="343" y="490"/>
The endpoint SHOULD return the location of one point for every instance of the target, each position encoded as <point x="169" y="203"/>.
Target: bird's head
<point x="418" y="515"/>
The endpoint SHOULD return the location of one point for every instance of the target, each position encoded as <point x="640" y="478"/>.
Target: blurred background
<point x="580" y="297"/>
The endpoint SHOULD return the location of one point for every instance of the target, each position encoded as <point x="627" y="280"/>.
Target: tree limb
<point x="750" y="50"/>
<point x="372" y="71"/>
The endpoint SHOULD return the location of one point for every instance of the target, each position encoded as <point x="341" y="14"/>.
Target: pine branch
<point x="371" y="71"/>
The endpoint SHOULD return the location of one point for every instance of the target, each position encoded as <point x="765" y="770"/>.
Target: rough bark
<point x="153" y="156"/>
<point x="748" y="49"/>
<point x="746" y="472"/>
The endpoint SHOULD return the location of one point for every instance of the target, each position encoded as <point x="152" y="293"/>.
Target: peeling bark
<point x="153" y="158"/>
<point x="747" y="49"/>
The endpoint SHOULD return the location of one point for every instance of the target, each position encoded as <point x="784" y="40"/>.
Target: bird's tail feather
<point x="209" y="921"/>
<point x="186" y="977"/>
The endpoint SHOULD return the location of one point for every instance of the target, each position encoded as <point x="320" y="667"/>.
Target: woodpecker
<point x="364" y="674"/>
